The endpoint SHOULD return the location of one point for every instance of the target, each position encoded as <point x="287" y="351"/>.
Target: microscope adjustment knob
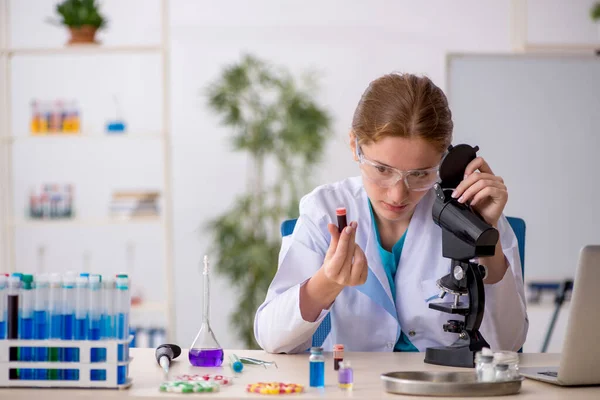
<point x="459" y="273"/>
<point x="454" y="326"/>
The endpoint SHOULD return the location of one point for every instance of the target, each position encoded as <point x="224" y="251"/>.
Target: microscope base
<point x="451" y="356"/>
<point x="459" y="354"/>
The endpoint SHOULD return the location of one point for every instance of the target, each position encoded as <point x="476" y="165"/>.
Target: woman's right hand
<point x="345" y="263"/>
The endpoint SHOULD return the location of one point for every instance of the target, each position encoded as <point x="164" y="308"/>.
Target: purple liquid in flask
<point x="205" y="351"/>
<point x="206" y="357"/>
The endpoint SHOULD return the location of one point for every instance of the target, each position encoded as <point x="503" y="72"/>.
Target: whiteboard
<point x="536" y="119"/>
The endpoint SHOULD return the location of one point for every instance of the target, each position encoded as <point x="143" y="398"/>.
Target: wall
<point x="538" y="132"/>
<point x="561" y="22"/>
<point x="348" y="43"/>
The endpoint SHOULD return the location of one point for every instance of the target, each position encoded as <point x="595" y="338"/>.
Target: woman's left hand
<point x="486" y="192"/>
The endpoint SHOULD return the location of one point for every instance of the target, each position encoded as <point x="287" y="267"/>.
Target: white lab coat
<point x="365" y="318"/>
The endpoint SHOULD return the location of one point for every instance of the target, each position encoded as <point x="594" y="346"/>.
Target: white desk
<point x="147" y="377"/>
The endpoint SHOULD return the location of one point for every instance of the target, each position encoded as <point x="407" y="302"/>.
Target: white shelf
<point x="10" y="217"/>
<point x="84" y="221"/>
<point x="84" y="49"/>
<point x="53" y="138"/>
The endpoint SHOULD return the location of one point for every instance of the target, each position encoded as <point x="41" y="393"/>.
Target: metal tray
<point x="449" y="384"/>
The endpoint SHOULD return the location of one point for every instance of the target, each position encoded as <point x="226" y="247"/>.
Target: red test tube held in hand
<point x="341" y="218"/>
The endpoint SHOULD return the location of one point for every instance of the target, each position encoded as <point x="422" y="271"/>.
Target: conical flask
<point x="205" y="351"/>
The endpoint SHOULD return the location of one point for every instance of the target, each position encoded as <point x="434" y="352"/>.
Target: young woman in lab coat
<point x="377" y="278"/>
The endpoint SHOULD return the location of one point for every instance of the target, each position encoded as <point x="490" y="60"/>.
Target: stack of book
<point x="131" y="204"/>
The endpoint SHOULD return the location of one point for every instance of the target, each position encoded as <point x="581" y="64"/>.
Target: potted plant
<point x="83" y="19"/>
<point x="276" y="120"/>
<point x="595" y="15"/>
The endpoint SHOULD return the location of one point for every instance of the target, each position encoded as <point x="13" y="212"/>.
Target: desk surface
<point x="147" y="376"/>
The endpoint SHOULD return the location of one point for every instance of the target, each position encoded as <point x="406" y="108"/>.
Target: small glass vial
<point x="484" y="365"/>
<point x="317" y="367"/>
<point x="511" y="360"/>
<point x="338" y="356"/>
<point x="502" y="373"/>
<point x="345" y="376"/>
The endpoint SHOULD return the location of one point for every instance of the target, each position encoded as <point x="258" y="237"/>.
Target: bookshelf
<point x="10" y="223"/>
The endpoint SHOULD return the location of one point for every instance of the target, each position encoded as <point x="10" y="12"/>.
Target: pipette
<point x="165" y="353"/>
<point x="254" y="361"/>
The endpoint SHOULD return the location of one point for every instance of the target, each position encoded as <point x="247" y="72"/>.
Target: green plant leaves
<point x="595" y="12"/>
<point x="275" y="119"/>
<point x="77" y="13"/>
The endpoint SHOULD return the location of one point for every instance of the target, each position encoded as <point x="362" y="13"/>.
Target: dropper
<point x="165" y="353"/>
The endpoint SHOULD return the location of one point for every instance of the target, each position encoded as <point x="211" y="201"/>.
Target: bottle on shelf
<point x="36" y="118"/>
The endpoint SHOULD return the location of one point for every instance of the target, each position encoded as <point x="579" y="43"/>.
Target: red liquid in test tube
<point x="341" y="218"/>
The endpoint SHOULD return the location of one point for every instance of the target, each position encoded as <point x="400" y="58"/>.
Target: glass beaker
<point x="205" y="351"/>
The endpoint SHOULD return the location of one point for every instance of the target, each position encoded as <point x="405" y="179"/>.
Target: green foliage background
<point x="274" y="118"/>
<point x="76" y="13"/>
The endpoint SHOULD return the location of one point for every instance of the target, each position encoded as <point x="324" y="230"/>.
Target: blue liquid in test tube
<point x="69" y="322"/>
<point x="26" y="323"/>
<point x="95" y="318"/>
<point x="122" y="329"/>
<point x="40" y="323"/>
<point x="81" y="321"/>
<point x="55" y="302"/>
<point x="108" y="325"/>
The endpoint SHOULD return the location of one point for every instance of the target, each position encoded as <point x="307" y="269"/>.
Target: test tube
<point x="107" y="327"/>
<point x="81" y="309"/>
<point x="81" y="300"/>
<point x="341" y="218"/>
<point x="55" y="302"/>
<point x="68" y="333"/>
<point x="94" y="316"/>
<point x="40" y="322"/>
<point x="122" y="307"/>
<point x="122" y="329"/>
<point x="108" y="310"/>
<point x="26" y="323"/>
<point x="14" y="284"/>
<point x="3" y="287"/>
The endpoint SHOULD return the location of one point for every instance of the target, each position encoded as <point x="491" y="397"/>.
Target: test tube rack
<point x="84" y="365"/>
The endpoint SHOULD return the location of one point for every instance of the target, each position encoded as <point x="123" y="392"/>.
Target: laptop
<point x="580" y="355"/>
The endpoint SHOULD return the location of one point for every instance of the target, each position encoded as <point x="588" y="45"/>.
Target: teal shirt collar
<point x="396" y="249"/>
<point x="390" y="263"/>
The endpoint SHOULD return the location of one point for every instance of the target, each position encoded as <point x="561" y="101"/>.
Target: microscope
<point x="465" y="236"/>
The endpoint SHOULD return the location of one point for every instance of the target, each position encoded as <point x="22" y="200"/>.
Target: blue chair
<point x="287" y="227"/>
<point x="517" y="225"/>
